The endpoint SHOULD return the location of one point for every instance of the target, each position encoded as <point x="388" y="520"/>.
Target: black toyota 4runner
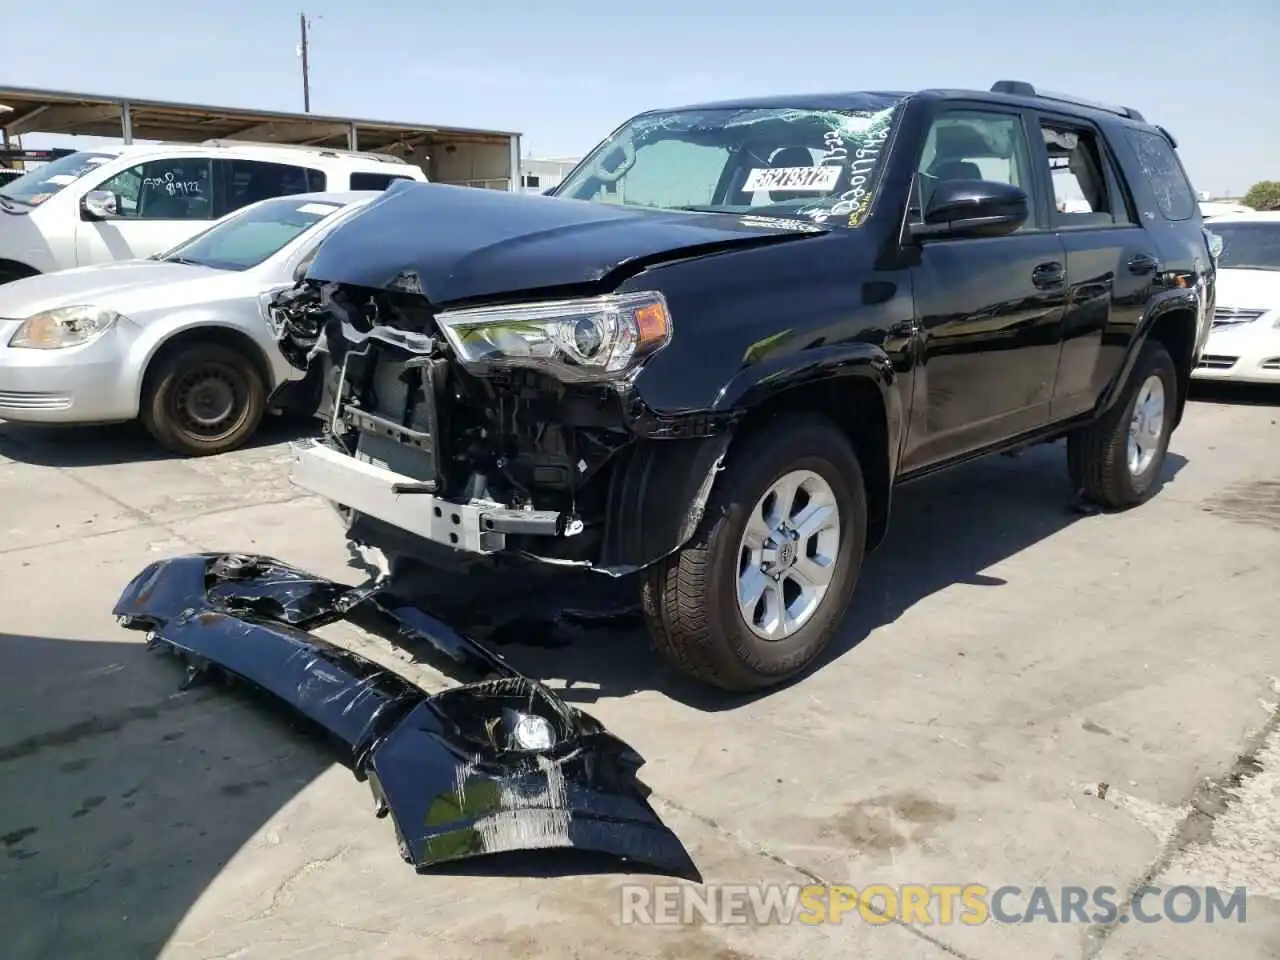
<point x="710" y="354"/>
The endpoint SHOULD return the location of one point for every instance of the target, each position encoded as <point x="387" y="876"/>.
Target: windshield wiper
<point x="6" y="200"/>
<point x="702" y="208"/>
<point x="182" y="260"/>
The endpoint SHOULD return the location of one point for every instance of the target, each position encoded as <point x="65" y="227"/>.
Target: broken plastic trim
<point x="492" y="766"/>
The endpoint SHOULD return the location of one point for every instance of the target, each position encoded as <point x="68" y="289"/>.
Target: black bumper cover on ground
<point x="497" y="765"/>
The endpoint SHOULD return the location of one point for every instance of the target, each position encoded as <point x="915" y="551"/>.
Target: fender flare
<point x="659" y="490"/>
<point x="767" y="381"/>
<point x="1165" y="303"/>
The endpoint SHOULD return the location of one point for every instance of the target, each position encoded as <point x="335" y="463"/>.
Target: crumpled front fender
<point x="492" y="766"/>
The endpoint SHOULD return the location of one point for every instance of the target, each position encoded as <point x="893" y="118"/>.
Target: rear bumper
<point x="492" y="766"/>
<point x="477" y="526"/>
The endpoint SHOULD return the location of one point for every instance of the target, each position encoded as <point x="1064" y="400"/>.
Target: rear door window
<point x="1086" y="189"/>
<point x="248" y="181"/>
<point x="1163" y="171"/>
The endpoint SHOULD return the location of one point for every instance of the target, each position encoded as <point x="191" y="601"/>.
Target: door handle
<point x="1048" y="275"/>
<point x="1143" y="263"/>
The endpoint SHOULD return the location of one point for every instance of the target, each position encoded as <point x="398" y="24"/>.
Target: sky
<point x="564" y="74"/>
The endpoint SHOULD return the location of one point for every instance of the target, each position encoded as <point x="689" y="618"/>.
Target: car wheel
<point x="203" y="399"/>
<point x="1116" y="461"/>
<point x="762" y="587"/>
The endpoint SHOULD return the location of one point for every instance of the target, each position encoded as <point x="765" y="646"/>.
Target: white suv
<point x="119" y="203"/>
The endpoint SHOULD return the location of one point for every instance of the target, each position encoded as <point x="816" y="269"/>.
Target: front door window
<point x="180" y="188"/>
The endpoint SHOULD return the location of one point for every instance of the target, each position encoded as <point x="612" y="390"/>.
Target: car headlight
<point x="63" y="327"/>
<point x="590" y="339"/>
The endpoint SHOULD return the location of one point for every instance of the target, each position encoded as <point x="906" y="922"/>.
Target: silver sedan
<point x="181" y="340"/>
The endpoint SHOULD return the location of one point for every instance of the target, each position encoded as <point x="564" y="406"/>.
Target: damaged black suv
<point x="710" y="354"/>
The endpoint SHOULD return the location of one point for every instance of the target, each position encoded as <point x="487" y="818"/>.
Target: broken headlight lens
<point x="589" y="339"/>
<point x="63" y="327"/>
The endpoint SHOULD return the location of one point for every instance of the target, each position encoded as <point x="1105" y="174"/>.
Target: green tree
<point x="1264" y="195"/>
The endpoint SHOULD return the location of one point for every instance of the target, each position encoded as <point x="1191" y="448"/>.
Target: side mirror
<point x="973" y="208"/>
<point x="99" y="205"/>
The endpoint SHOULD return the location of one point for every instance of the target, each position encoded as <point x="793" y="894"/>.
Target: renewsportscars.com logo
<point x="932" y="904"/>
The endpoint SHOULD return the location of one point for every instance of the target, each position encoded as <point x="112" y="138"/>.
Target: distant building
<point x="539" y="176"/>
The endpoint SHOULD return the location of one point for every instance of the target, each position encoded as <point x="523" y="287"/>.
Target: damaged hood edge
<point x="460" y="244"/>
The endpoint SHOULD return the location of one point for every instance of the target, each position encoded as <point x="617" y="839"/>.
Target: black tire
<point x="1097" y="455"/>
<point x="15" y="271"/>
<point x="690" y="599"/>
<point x="173" y="415"/>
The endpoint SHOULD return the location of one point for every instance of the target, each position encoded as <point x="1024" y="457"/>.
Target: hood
<point x="462" y="243"/>
<point x="1247" y="289"/>
<point x="128" y="287"/>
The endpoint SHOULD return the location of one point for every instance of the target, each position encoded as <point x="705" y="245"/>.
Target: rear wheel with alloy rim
<point x="1116" y="461"/>
<point x="762" y="587"/>
<point x="203" y="399"/>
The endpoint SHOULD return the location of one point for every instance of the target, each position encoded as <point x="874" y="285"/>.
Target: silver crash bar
<point x="479" y="526"/>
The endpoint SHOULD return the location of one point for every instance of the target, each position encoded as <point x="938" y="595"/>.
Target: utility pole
<point x="306" y="74"/>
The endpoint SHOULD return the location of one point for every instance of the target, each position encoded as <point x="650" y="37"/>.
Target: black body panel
<point x="453" y="244"/>
<point x="941" y="344"/>
<point x="451" y="768"/>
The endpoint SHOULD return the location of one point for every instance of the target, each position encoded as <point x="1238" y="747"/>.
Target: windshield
<point x="1248" y="246"/>
<point x="806" y="164"/>
<point x="38" y="185"/>
<point x="251" y="236"/>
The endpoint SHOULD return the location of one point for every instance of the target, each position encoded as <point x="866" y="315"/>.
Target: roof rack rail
<point x="1020" y="88"/>
<point x="305" y="148"/>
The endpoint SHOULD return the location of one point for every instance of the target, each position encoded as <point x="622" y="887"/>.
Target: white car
<point x="183" y="340"/>
<point x="1244" y="343"/>
<point x="119" y="203"/>
<point x="1218" y="208"/>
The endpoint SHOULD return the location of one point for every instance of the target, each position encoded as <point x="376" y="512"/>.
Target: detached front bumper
<point x="492" y="766"/>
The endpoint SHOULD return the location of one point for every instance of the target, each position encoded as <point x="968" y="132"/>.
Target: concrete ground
<point x="1022" y="696"/>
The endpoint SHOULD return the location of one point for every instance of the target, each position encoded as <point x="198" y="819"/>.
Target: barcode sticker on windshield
<point x="792" y="178"/>
<point x="319" y="209"/>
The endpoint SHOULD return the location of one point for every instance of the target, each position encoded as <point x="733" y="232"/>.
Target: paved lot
<point x="1005" y="657"/>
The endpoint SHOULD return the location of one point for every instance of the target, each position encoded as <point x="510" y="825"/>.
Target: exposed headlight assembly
<point x="599" y="338"/>
<point x="63" y="327"/>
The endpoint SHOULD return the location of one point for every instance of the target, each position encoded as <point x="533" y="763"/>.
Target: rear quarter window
<point x="1160" y="167"/>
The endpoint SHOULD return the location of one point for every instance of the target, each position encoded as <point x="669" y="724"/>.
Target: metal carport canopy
<point x="129" y="118"/>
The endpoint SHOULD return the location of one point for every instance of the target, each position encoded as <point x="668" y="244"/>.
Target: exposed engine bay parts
<point x="496" y="765"/>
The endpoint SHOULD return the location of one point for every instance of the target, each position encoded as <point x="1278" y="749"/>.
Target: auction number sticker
<point x="319" y="209"/>
<point x="792" y="178"/>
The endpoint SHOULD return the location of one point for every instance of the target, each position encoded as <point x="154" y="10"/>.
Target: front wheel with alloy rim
<point x="762" y="587"/>
<point x="202" y="399"/>
<point x="1116" y="461"/>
